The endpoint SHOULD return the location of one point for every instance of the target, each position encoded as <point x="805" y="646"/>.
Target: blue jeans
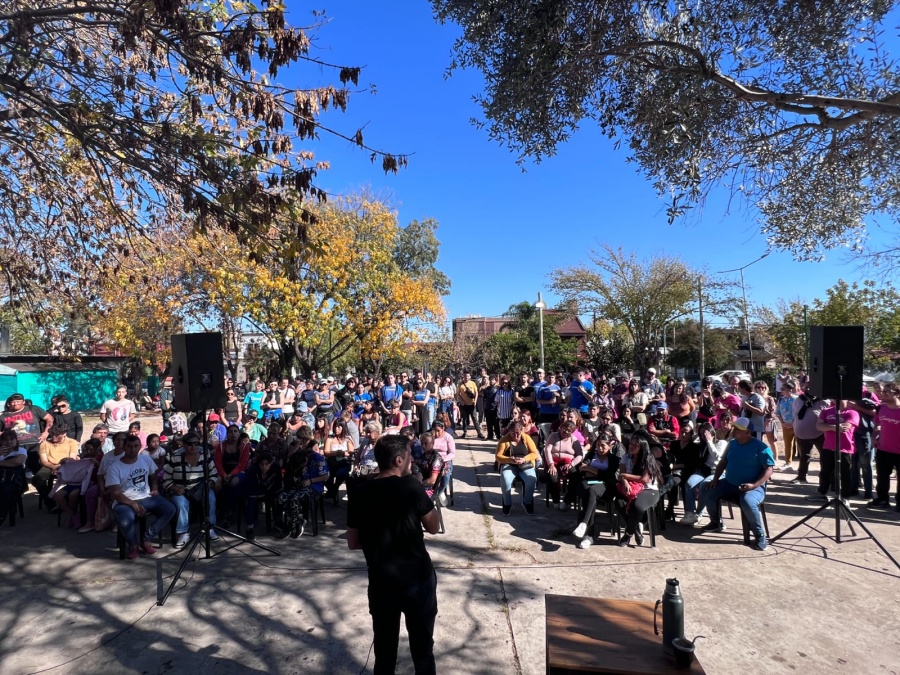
<point x="694" y="482"/>
<point x="749" y="502"/>
<point x="183" y="505"/>
<point x="445" y="481"/>
<point x="125" y="516"/>
<point x="508" y="473"/>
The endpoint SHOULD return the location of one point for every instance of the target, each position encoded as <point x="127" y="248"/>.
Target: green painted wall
<point x="85" y="389"/>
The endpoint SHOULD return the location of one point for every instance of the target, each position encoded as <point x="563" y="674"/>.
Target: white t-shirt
<point x="134" y="479"/>
<point x="108" y="460"/>
<point x="118" y="414"/>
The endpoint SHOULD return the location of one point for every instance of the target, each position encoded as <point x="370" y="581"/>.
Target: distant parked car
<point x="725" y="375"/>
<point x="695" y="385"/>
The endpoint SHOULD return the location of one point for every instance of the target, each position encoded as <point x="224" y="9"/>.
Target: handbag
<point x="525" y="466"/>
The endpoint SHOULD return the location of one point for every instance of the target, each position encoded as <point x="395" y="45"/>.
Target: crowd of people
<point x="631" y="441"/>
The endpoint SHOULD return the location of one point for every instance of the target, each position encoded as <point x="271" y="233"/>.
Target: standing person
<point x="468" y="397"/>
<point x="581" y="391"/>
<point x="254" y="399"/>
<point x="505" y="402"/>
<point x="31" y="424"/>
<point x="385" y="518"/>
<point x="887" y="444"/>
<point x="489" y="407"/>
<point x="834" y="419"/>
<point x="117" y="413"/>
<point x="12" y="472"/>
<point x="131" y="482"/>
<point x="288" y="395"/>
<point x="548" y="397"/>
<point x="446" y="395"/>
<point x="271" y="404"/>
<point x="233" y="410"/>
<point x="807" y="409"/>
<point x="424" y="405"/>
<point x="784" y="411"/>
<point x="62" y="412"/>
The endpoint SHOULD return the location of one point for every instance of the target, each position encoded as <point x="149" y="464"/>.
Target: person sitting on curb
<point x="517" y="455"/>
<point x="131" y="482"/>
<point x="183" y="483"/>
<point x="747" y="464"/>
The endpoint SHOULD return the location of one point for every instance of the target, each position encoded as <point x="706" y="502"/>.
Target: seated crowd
<point x="632" y="443"/>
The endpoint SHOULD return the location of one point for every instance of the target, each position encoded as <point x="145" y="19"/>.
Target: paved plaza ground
<point x="806" y="605"/>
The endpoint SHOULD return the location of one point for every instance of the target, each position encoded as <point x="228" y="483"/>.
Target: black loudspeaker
<point x="198" y="371"/>
<point x="834" y="350"/>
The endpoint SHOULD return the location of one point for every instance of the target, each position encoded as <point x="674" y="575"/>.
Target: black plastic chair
<point x="745" y="523"/>
<point x="651" y="516"/>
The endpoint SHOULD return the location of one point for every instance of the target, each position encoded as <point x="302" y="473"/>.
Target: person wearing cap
<point x="254" y="429"/>
<point x="31" y="424"/>
<point x="746" y="464"/>
<point x="662" y="425"/>
<point x="652" y="386"/>
<point x="216" y="428"/>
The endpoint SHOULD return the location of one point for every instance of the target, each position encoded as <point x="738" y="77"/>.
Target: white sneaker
<point x="442" y="498"/>
<point x="585" y="543"/>
<point x="183" y="539"/>
<point x="213" y="536"/>
<point x="641" y="528"/>
<point x="690" y="518"/>
<point x="580" y="530"/>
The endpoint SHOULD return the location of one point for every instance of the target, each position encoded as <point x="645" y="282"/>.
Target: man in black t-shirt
<point x="385" y="517"/>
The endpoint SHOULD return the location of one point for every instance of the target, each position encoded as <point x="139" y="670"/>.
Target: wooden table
<point x="599" y="635"/>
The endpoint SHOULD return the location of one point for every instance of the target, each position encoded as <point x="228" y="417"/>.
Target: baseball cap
<point x="329" y="379"/>
<point x="323" y="381"/>
<point x="662" y="405"/>
<point x="302" y="407"/>
<point x="213" y="417"/>
<point x="651" y="370"/>
<point x="742" y="423"/>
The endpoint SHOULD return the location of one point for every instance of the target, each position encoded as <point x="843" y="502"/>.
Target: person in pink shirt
<point x="445" y="446"/>
<point x="831" y="422"/>
<point x="725" y="401"/>
<point x="887" y="446"/>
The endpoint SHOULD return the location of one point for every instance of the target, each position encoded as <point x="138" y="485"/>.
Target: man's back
<point x="388" y="514"/>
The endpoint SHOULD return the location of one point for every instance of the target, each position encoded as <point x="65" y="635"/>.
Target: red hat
<point x="214" y="417"/>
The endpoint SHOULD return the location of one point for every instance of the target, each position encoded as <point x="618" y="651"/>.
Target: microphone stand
<point x="841" y="508"/>
<point x="202" y="535"/>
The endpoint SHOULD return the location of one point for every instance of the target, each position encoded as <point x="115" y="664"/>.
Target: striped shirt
<point x="505" y="399"/>
<point x="180" y="473"/>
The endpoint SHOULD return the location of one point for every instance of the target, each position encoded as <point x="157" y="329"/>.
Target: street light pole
<point x="540" y="308"/>
<point x="746" y="315"/>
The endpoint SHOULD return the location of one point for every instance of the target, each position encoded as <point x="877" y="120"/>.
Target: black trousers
<point x="591" y="495"/>
<point x="826" y="473"/>
<point x="418" y="603"/>
<point x="493" y="425"/>
<point x="804" y="449"/>
<point x="467" y="416"/>
<point x="645" y="501"/>
<point x="885" y="464"/>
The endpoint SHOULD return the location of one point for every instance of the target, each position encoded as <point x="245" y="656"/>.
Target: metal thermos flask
<point x="672" y="615"/>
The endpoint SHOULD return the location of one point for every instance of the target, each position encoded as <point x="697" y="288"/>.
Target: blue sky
<point x="502" y="230"/>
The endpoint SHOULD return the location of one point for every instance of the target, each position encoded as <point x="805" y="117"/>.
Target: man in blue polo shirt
<point x="747" y="464"/>
<point x="548" y="397"/>
<point x="581" y="391"/>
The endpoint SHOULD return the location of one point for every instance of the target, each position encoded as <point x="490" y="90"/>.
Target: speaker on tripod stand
<point x="836" y="372"/>
<point x="198" y="380"/>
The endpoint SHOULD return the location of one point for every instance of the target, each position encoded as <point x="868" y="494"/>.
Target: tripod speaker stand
<point x="841" y="508"/>
<point x="199" y="384"/>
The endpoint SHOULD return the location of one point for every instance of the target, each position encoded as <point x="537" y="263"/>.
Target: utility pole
<point x="702" y="341"/>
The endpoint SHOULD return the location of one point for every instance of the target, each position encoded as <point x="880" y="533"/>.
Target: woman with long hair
<point x="680" y="401"/>
<point x="320" y="431"/>
<point x="639" y="480"/>
<point x="338" y="452"/>
<point x="597" y="474"/>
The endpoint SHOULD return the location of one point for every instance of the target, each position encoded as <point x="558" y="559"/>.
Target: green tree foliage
<point x="793" y="105"/>
<point x="642" y="296"/>
<point x="718" y="351"/>
<point x="877" y="309"/>
<point x="609" y="351"/>
<point x="784" y="328"/>
<point x="517" y="347"/>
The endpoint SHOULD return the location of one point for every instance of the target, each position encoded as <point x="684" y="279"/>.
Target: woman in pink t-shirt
<point x="828" y="425"/>
<point x="887" y="446"/>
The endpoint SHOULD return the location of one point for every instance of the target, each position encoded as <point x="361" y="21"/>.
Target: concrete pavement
<point x="806" y="605"/>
